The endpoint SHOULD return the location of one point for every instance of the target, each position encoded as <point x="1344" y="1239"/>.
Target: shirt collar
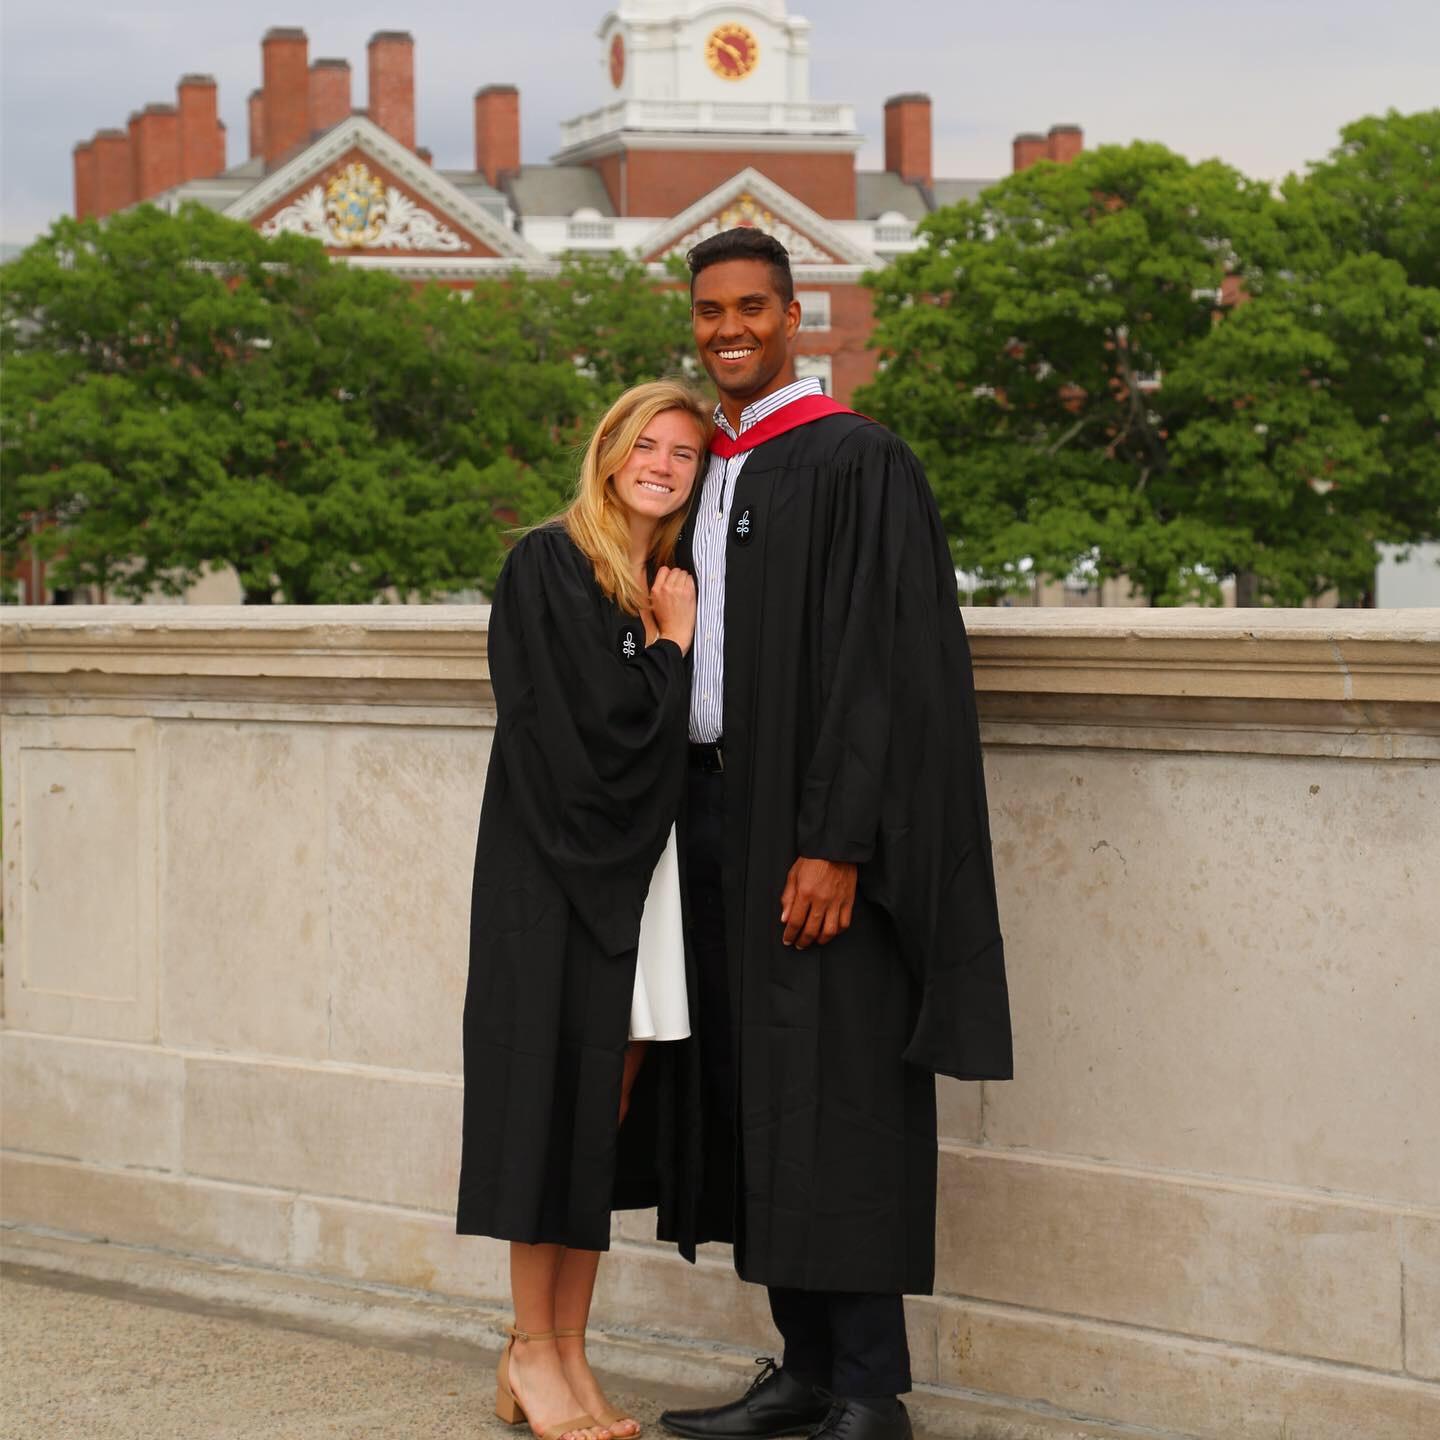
<point x="755" y="412"/>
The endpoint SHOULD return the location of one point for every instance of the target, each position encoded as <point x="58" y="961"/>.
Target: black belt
<point x="707" y="755"/>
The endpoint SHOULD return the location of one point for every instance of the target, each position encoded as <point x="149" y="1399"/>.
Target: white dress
<point x="660" y="1008"/>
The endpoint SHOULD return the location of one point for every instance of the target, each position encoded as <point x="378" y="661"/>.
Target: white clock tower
<point x="748" y="53"/>
<point x="704" y="74"/>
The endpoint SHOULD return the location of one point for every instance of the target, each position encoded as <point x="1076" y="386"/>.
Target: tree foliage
<point x="182" y="393"/>
<point x="1377" y="192"/>
<point x="1137" y="366"/>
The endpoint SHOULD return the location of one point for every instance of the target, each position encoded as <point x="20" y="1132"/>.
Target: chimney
<point x="84" y="179"/>
<point x="907" y="138"/>
<point x="202" y="140"/>
<point x="114" y="172"/>
<point x="255" y="110"/>
<point x="329" y="93"/>
<point x="497" y="132"/>
<point x="1064" y="143"/>
<point x="391" y="96"/>
<point x="285" y="65"/>
<point x="1029" y="148"/>
<point x="155" y="149"/>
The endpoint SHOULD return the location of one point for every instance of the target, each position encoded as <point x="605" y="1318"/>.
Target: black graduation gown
<point x="850" y="734"/>
<point x="584" y="783"/>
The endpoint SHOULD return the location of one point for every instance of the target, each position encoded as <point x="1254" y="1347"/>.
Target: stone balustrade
<point x="777" y="117"/>
<point x="237" y="852"/>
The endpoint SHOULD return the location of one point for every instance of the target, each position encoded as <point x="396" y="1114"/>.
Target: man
<point x="837" y="856"/>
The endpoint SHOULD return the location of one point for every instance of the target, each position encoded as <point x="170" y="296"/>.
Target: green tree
<point x="608" y="313"/>
<point x="1376" y="197"/>
<point x="183" y="393"/>
<point x="1067" y="356"/>
<point x="1377" y="192"/>
<point x="1308" y="430"/>
<point x="1022" y="348"/>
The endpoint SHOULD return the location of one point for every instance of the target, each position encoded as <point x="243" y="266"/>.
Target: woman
<point x="589" y="634"/>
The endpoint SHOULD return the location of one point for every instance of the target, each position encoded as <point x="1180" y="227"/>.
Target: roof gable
<point x="358" y="191"/>
<point x="750" y="198"/>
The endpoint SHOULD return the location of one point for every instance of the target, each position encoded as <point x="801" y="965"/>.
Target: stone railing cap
<point x="1359" y="656"/>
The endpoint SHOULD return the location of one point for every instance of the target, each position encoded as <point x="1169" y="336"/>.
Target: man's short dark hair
<point x="744" y="243"/>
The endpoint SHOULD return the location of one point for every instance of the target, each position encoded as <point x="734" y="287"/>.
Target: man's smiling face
<point x="742" y="327"/>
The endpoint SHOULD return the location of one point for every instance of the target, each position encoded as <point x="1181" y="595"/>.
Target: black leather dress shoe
<point x="865" y="1420"/>
<point x="775" y="1404"/>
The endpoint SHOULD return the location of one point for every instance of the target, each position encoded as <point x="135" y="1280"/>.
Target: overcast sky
<point x="1264" y="84"/>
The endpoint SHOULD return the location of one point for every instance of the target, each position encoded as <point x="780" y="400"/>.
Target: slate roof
<point x="558" y="190"/>
<point x="878" y="192"/>
<point x="950" y="192"/>
<point x="477" y="190"/>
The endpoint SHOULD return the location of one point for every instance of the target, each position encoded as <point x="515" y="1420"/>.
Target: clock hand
<point x="734" y="50"/>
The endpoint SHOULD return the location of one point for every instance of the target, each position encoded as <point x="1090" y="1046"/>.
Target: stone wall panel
<point x="403" y="815"/>
<point x="1422" y="1295"/>
<point x="959" y="1108"/>
<point x="170" y="1212"/>
<point x="246" y="907"/>
<point x="644" y="1288"/>
<point x="79" y="817"/>
<point x="1273" y="1270"/>
<point x="1172" y="1384"/>
<point x="383" y="1245"/>
<point x="345" y="1133"/>
<point x="1187" y="936"/>
<point x="117" y="1105"/>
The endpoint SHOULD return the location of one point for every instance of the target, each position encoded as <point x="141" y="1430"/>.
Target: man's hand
<point x="818" y="902"/>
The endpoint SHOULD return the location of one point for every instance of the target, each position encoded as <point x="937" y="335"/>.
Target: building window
<point x="817" y="366"/>
<point x="814" y="309"/>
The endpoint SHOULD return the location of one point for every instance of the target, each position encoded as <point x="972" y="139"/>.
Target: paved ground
<point x="86" y="1359"/>
<point x="102" y="1341"/>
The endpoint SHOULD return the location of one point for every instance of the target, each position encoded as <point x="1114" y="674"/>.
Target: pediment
<point x="750" y="198"/>
<point x="360" y="192"/>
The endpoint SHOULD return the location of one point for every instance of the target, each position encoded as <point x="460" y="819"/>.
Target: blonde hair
<point x="595" y="518"/>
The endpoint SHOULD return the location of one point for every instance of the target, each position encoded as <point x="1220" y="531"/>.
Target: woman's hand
<point x="672" y="602"/>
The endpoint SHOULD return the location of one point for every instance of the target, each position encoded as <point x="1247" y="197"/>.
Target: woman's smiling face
<point x="657" y="479"/>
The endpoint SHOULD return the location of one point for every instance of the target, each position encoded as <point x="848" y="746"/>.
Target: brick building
<point x="704" y="120"/>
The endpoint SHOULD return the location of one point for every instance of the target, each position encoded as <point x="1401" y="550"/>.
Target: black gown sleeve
<point x="895" y="783"/>
<point x="593" y="742"/>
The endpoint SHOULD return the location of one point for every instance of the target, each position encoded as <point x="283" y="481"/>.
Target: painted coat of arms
<point x="355" y="203"/>
<point x="356" y="210"/>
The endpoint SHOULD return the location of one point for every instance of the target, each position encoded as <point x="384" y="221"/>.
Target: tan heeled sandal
<point x="510" y="1410"/>
<point x="610" y="1418"/>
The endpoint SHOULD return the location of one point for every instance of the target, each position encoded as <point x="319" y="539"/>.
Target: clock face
<point x="617" y="60"/>
<point x="731" y="51"/>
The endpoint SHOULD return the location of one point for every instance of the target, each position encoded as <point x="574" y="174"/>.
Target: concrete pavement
<point x="85" y="1360"/>
<point x="112" y="1342"/>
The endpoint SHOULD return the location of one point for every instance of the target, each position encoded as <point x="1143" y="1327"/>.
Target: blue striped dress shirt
<point x="712" y="526"/>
